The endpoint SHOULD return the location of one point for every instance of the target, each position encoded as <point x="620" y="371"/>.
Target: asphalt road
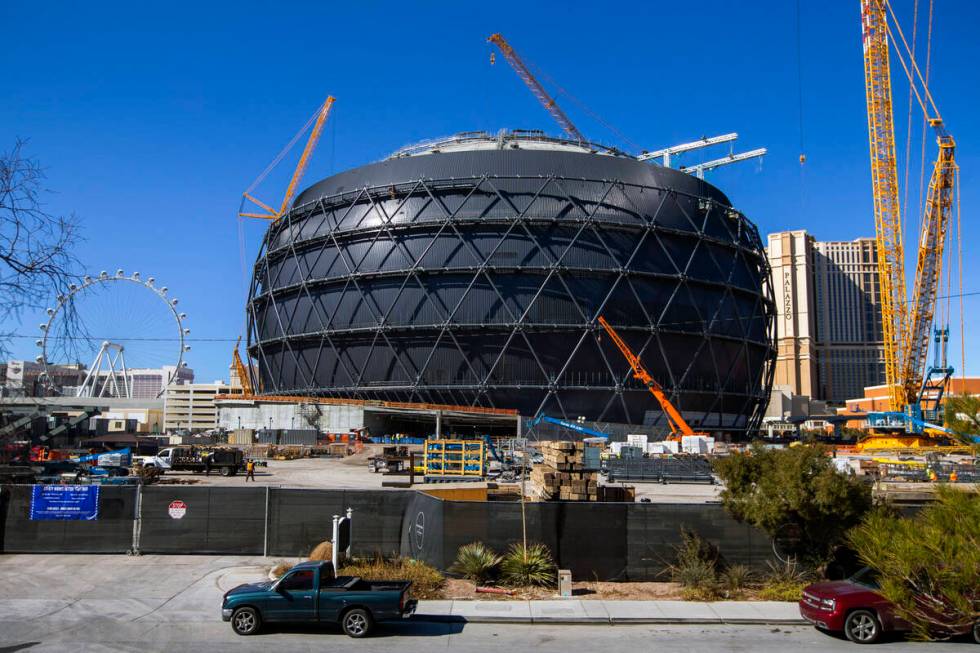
<point x="109" y="635"/>
<point x="171" y="603"/>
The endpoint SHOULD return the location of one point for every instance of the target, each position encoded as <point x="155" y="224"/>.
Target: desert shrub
<point x="322" y="551"/>
<point x="528" y="567"/>
<point x="929" y="564"/>
<point x="781" y="591"/>
<point x="476" y="562"/>
<point x="695" y="567"/>
<point x="280" y="567"/>
<point x="427" y="582"/>
<point x="785" y="581"/>
<point x="736" y="578"/>
<point x="795" y="489"/>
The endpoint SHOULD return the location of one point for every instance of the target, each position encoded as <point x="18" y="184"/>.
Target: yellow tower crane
<point x="906" y="325"/>
<point x="534" y="85"/>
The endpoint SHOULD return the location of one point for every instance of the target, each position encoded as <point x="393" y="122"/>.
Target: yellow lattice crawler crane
<point x="906" y="325"/>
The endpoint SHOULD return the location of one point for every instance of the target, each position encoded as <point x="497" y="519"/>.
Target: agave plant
<point x="476" y="562"/>
<point x="528" y="567"/>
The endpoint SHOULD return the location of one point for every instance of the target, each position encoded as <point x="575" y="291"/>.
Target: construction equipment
<point x="534" y="85"/>
<point x="573" y="426"/>
<point x="304" y="160"/>
<point x="698" y="169"/>
<point x="906" y="325"/>
<point x="678" y="425"/>
<point x="241" y="371"/>
<point x="666" y="153"/>
<point x="455" y="459"/>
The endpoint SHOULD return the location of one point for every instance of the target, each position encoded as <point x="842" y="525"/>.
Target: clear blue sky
<point x="152" y="119"/>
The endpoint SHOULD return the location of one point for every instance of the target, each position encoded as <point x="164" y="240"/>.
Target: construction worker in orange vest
<point x="250" y="470"/>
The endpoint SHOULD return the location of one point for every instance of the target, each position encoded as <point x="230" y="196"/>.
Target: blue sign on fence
<point x="65" y="502"/>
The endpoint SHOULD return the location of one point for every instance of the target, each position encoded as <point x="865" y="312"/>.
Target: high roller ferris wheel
<point x="121" y="323"/>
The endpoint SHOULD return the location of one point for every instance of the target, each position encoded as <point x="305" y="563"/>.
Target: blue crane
<point x="574" y="426"/>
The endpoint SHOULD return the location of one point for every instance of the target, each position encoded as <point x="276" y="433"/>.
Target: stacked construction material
<point x="562" y="475"/>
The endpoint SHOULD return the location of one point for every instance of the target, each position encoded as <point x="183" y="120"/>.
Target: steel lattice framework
<point x="417" y="279"/>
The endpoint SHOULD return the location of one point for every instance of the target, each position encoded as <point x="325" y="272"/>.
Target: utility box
<point x="565" y="583"/>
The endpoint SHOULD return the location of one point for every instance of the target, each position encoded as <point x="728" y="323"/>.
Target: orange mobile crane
<point x="678" y="425"/>
<point x="906" y="324"/>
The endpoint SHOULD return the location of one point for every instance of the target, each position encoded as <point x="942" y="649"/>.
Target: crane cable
<point x="581" y="105"/>
<point x="922" y="169"/>
<point x="279" y="157"/>
<point x="799" y="79"/>
<point x="908" y="126"/>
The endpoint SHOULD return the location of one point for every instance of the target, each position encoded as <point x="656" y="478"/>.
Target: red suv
<point x="854" y="607"/>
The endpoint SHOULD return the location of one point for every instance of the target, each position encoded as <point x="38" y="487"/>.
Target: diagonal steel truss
<point x="486" y="290"/>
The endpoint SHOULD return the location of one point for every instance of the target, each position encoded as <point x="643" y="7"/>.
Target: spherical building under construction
<point x="472" y="271"/>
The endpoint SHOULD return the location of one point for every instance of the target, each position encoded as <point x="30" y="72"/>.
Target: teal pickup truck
<point x="309" y="593"/>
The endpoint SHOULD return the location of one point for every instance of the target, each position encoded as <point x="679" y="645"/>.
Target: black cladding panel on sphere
<point x="476" y="277"/>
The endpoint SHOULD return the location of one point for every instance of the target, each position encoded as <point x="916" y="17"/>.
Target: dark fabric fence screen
<point x="301" y="519"/>
<point x="112" y="532"/>
<point x="223" y="520"/>
<point x="608" y="541"/>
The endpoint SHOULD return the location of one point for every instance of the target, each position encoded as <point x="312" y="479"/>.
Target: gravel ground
<point x="352" y="473"/>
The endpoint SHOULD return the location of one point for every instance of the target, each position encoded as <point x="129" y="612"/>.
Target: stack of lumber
<point x="617" y="493"/>
<point x="562" y="476"/>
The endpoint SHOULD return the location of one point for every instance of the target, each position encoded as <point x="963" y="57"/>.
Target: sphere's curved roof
<point x="534" y="158"/>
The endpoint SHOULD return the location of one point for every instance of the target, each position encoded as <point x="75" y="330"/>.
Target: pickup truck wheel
<point x="246" y="621"/>
<point x="862" y="627"/>
<point x="976" y="632"/>
<point x="356" y="623"/>
<point x="227" y="471"/>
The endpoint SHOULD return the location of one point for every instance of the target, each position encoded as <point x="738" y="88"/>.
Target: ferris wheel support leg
<point x="96" y="364"/>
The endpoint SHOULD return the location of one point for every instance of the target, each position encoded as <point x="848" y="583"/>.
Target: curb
<point x="610" y="621"/>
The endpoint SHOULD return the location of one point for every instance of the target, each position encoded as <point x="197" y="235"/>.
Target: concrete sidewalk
<point x="573" y="611"/>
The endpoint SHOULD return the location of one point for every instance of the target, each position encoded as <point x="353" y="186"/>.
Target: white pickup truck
<point x="189" y="458"/>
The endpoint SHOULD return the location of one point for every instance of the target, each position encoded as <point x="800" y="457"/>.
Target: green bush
<point x="794" y="490"/>
<point x="427" y="582"/>
<point x="929" y="564"/>
<point x="476" y="562"/>
<point x="530" y="567"/>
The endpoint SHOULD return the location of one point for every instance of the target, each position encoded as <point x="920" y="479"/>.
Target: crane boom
<point x="884" y="182"/>
<point x="534" y="85"/>
<point x="241" y="371"/>
<point x="932" y="241"/>
<point x="678" y="425"/>
<point x="304" y="160"/>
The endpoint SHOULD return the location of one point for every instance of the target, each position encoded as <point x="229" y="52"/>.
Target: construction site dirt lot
<point x="352" y="473"/>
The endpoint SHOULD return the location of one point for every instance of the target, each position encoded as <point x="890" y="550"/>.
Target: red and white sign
<point x="177" y="509"/>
